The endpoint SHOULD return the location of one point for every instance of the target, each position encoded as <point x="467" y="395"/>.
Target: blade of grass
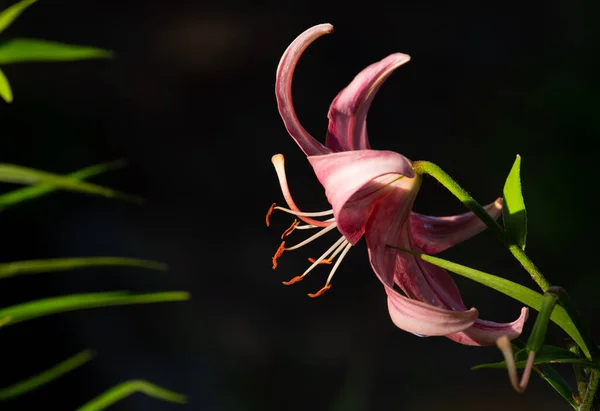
<point x="5" y="89"/>
<point x="54" y="305"/>
<point x="29" y="50"/>
<point x="125" y="389"/>
<point x="63" y="264"/>
<point x="10" y="14"/>
<point x="49" y="375"/>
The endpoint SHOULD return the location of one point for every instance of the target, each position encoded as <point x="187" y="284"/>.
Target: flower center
<point x="339" y="249"/>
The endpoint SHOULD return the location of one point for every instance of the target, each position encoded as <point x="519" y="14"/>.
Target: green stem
<point x="580" y="378"/>
<point x="425" y="167"/>
<point x="588" y="399"/>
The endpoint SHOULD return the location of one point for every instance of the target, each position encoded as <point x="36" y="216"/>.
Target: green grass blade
<point x="125" y="389"/>
<point x="54" y="305"/>
<point x="29" y="193"/>
<point x="63" y="264"/>
<point x="49" y="375"/>
<point x="10" y="14"/>
<point x="29" y="50"/>
<point x="11" y="173"/>
<point x="5" y="89"/>
<point x="514" y="290"/>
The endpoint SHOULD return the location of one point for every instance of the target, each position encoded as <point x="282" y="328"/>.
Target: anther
<point x="294" y="280"/>
<point x="291" y="228"/>
<point x="278" y="254"/>
<point x="320" y="292"/>
<point x="271" y="209"/>
<point x="325" y="261"/>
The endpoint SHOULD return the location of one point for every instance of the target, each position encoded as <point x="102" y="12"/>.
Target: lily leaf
<point x="127" y="388"/>
<point x="49" y="375"/>
<point x="556" y="381"/>
<point x="514" y="213"/>
<point x="28" y="50"/>
<point x="5" y="89"/>
<point x="29" y="193"/>
<point x="11" y="173"/>
<point x="54" y="305"/>
<point x="62" y="264"/>
<point x="10" y="14"/>
<point x="514" y="290"/>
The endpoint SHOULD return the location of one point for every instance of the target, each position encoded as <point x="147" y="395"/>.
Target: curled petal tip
<point x="503" y="343"/>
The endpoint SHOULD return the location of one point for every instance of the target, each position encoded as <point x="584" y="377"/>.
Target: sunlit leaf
<point x="10" y="14"/>
<point x="11" y="173"/>
<point x="125" y="389"/>
<point x="49" y="375"/>
<point x="62" y="264"/>
<point x="30" y="50"/>
<point x="54" y="305"/>
<point x="29" y="193"/>
<point x="514" y="290"/>
<point x="5" y="89"/>
<point x="514" y="213"/>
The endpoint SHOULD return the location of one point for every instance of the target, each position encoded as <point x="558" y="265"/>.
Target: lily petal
<point x="348" y="112"/>
<point x="436" y="234"/>
<point x="427" y="320"/>
<point x="487" y="333"/>
<point x="283" y="89"/>
<point x="355" y="180"/>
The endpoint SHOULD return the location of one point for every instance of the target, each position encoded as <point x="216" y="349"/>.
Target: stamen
<point x="320" y="292"/>
<point x="329" y="260"/>
<point x="294" y="280"/>
<point x="267" y="218"/>
<point x="310" y="226"/>
<point x="316" y="263"/>
<point x="503" y="344"/>
<point x="278" y="254"/>
<point x="291" y="228"/>
<point x="313" y="237"/>
<point x="305" y="214"/>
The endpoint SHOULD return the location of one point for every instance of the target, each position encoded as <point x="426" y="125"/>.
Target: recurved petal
<point x="355" y="180"/>
<point x="283" y="89"/>
<point x="436" y="234"/>
<point x="487" y="332"/>
<point x="348" y="111"/>
<point x="427" y="320"/>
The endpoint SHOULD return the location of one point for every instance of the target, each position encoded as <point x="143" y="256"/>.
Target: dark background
<point x="189" y="102"/>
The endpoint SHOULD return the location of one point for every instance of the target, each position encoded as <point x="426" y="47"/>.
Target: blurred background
<point x="189" y="101"/>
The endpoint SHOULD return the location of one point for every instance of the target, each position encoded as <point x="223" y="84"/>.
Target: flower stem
<point x="529" y="266"/>
<point x="588" y="399"/>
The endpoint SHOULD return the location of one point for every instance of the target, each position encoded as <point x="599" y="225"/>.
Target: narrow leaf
<point x="5" y="90"/>
<point x="11" y="173"/>
<point x="538" y="333"/>
<point x="63" y="264"/>
<point x="29" y="193"/>
<point x="49" y="375"/>
<point x="54" y="305"/>
<point x="556" y="381"/>
<point x="29" y="50"/>
<point x="125" y="389"/>
<point x="514" y="290"/>
<point x="513" y="209"/>
<point x="10" y="14"/>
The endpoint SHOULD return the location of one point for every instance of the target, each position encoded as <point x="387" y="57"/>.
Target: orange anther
<point x="325" y="261"/>
<point x="294" y="280"/>
<point x="278" y="253"/>
<point x="291" y="228"/>
<point x="320" y="292"/>
<point x="269" y="214"/>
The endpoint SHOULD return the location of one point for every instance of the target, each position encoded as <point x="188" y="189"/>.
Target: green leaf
<point x="125" y="389"/>
<point x="538" y="333"/>
<point x="513" y="208"/>
<point x="34" y="50"/>
<point x="514" y="290"/>
<point x="54" y="305"/>
<point x="49" y="375"/>
<point x="5" y="90"/>
<point x="10" y="14"/>
<point x="11" y="173"/>
<point x="556" y="381"/>
<point x="29" y="193"/>
<point x="63" y="264"/>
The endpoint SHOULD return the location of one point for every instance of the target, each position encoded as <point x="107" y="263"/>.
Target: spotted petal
<point x="436" y="234"/>
<point x="283" y="89"/>
<point x="348" y="112"/>
<point x="355" y="180"/>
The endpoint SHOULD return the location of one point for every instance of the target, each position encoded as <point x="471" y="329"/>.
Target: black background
<point x="189" y="101"/>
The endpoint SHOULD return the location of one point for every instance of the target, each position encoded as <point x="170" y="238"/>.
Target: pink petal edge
<point x="483" y="332"/>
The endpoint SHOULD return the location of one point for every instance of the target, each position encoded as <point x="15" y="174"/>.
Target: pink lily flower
<point x="371" y="193"/>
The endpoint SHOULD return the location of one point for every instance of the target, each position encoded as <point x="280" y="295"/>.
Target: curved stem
<point x="588" y="399"/>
